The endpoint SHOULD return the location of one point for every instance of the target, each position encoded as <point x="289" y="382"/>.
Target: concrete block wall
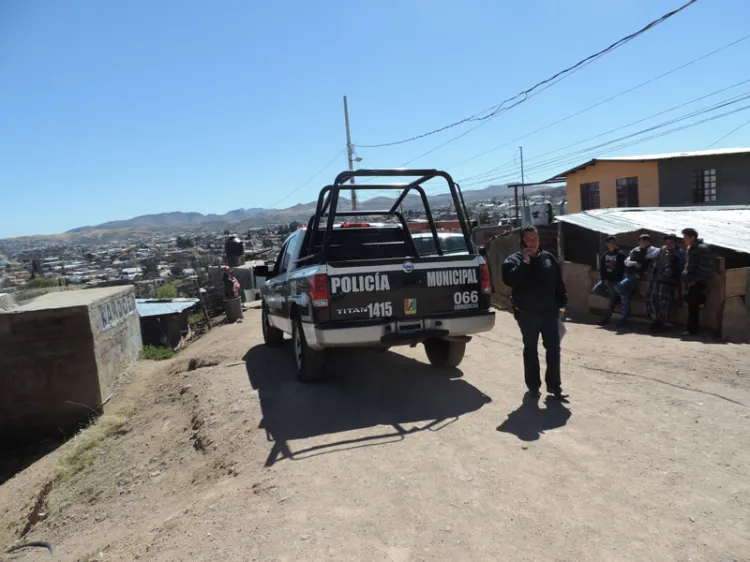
<point x="116" y="329"/>
<point x="58" y="363"/>
<point x="48" y="382"/>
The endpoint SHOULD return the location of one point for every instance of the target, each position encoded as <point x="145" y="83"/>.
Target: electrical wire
<point x="730" y="133"/>
<point x="602" y="102"/>
<point x="524" y="95"/>
<point x="578" y="155"/>
<point x="734" y="99"/>
<point x="310" y="179"/>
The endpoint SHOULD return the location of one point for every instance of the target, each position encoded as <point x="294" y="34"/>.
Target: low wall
<point x="736" y="319"/>
<point x="48" y="380"/>
<point x="60" y="360"/>
<point x="116" y="328"/>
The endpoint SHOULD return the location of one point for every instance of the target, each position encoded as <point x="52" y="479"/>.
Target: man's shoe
<point x="656" y="327"/>
<point x="558" y="394"/>
<point x="532" y="395"/>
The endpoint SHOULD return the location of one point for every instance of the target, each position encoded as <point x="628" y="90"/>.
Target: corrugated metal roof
<point x="651" y="157"/>
<point x="725" y="227"/>
<point x="157" y="307"/>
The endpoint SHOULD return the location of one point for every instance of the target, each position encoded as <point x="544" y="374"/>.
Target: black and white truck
<point x="357" y="279"/>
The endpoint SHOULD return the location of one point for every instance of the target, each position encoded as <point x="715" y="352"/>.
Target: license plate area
<point x="409" y="326"/>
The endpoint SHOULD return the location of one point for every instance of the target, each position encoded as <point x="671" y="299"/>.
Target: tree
<point x="167" y="291"/>
<point x="42" y="282"/>
<point x="150" y="268"/>
<point x="184" y="242"/>
<point x="484" y="217"/>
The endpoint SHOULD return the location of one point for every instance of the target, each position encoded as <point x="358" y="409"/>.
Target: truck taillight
<point x="484" y="279"/>
<point x="355" y="225"/>
<point x="319" y="290"/>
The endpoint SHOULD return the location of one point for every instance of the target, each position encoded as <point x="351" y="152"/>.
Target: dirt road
<point x="391" y="460"/>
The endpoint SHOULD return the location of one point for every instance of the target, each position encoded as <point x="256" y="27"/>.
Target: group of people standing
<point x="539" y="295"/>
<point x="675" y="273"/>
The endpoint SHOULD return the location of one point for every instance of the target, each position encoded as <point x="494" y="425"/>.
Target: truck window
<point x="279" y="261"/>
<point x="292" y="251"/>
<point x="365" y="243"/>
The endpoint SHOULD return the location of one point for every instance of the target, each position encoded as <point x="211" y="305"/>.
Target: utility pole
<point x="523" y="189"/>
<point x="350" y="152"/>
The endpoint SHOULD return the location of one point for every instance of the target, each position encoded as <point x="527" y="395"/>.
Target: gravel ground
<point x="230" y="458"/>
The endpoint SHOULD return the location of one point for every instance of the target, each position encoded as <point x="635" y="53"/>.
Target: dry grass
<point x="89" y="443"/>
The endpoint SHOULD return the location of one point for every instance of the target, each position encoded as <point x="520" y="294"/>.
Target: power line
<point x="524" y="95"/>
<point x="676" y="107"/>
<point x="578" y="155"/>
<point x="311" y="178"/>
<point x="607" y="100"/>
<point x="730" y="133"/>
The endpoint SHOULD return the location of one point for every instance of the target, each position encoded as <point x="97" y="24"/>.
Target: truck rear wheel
<point x="272" y="337"/>
<point x="445" y="353"/>
<point x="310" y="363"/>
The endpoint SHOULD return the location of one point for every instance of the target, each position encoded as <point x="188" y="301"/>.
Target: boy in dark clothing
<point x="611" y="271"/>
<point x="665" y="279"/>
<point x="699" y="268"/>
<point x="539" y="299"/>
<point x="636" y="266"/>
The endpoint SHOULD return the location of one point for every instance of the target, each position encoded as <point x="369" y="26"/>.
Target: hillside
<point x="261" y="217"/>
<point x="243" y="219"/>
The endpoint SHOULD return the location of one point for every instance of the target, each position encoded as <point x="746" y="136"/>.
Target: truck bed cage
<point x="328" y="199"/>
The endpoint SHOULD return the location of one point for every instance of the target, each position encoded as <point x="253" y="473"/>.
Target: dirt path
<point x="236" y="460"/>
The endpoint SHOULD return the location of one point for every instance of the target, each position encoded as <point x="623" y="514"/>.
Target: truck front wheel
<point x="310" y="363"/>
<point x="445" y="353"/>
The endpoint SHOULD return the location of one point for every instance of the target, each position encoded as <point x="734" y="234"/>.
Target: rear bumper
<point x="384" y="333"/>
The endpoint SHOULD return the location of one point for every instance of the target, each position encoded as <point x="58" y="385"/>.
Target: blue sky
<point x="115" y="109"/>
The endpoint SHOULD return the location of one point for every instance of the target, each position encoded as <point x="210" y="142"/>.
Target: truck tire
<point x="272" y="337"/>
<point x="310" y="363"/>
<point x="445" y="353"/>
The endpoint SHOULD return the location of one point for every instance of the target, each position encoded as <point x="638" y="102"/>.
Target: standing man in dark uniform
<point x="539" y="299"/>
<point x="699" y="268"/>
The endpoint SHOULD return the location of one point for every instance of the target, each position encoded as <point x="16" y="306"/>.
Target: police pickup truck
<point x="365" y="284"/>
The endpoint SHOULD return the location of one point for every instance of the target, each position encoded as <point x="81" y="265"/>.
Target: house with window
<point x="681" y="179"/>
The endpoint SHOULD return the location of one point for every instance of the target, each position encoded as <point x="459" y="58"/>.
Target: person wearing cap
<point x="636" y="266"/>
<point x="611" y="271"/>
<point x="539" y="298"/>
<point x="699" y="268"/>
<point x="665" y="280"/>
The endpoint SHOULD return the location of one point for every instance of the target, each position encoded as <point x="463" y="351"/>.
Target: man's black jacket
<point x="537" y="286"/>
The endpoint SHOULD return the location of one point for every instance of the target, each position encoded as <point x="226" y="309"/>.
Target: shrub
<point x="155" y="353"/>
<point x="167" y="291"/>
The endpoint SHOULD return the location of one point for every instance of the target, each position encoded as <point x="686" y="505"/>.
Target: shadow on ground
<point x="15" y="459"/>
<point x="366" y="389"/>
<point x="528" y="422"/>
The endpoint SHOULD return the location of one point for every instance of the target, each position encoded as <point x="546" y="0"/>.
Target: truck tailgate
<point x="406" y="290"/>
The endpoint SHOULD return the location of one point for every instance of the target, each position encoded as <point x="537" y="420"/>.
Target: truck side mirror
<point x="261" y="270"/>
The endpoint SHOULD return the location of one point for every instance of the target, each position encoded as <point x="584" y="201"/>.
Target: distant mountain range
<point x="240" y="219"/>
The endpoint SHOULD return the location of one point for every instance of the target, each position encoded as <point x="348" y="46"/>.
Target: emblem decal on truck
<point x="360" y="283"/>
<point x="410" y="306"/>
<point x="407" y="267"/>
<point x="451" y="277"/>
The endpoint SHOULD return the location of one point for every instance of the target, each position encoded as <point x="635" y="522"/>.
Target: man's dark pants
<point x="695" y="297"/>
<point x="533" y="325"/>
